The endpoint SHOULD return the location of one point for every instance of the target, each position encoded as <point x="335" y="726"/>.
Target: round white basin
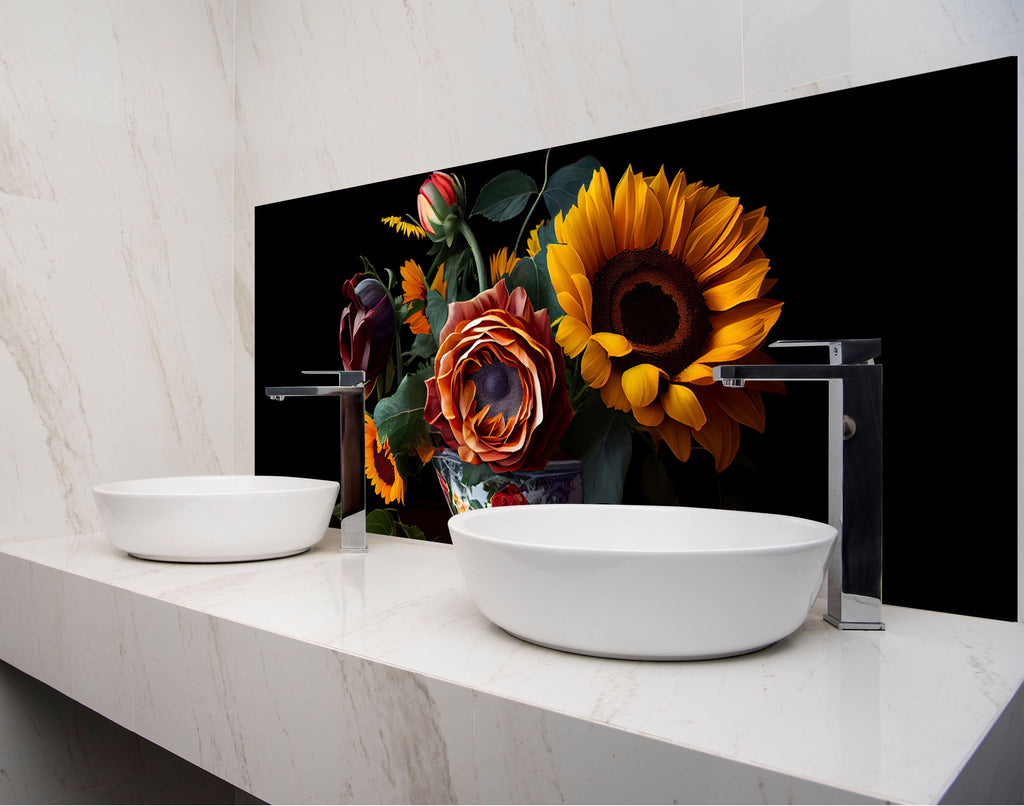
<point x="206" y="519"/>
<point x="646" y="583"/>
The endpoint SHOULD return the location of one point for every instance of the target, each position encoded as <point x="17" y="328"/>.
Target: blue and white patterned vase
<point x="560" y="482"/>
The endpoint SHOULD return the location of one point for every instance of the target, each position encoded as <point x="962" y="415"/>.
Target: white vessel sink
<point x="646" y="583"/>
<point x="209" y="519"/>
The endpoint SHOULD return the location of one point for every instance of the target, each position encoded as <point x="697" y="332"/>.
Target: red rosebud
<point x="438" y="195"/>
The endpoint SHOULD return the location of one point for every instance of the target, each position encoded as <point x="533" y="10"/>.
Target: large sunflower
<point x="659" y="284"/>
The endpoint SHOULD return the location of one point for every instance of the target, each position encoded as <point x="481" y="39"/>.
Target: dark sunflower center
<point x="498" y="386"/>
<point x="652" y="299"/>
<point x="385" y="470"/>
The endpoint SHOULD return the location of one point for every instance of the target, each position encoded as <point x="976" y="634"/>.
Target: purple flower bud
<point x="367" y="326"/>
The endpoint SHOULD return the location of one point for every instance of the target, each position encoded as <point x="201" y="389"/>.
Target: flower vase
<point x="559" y="482"/>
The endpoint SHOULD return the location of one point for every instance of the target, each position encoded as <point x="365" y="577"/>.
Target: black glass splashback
<point x="892" y="214"/>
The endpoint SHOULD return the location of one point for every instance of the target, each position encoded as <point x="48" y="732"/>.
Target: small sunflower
<point x="501" y="264"/>
<point x="414" y="286"/>
<point x="405" y="227"/>
<point x="381" y="469"/>
<point x="659" y="284"/>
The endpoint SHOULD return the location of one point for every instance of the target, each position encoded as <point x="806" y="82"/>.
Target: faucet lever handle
<point x="345" y="378"/>
<point x="840" y="351"/>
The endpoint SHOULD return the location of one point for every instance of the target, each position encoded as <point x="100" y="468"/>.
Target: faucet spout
<point x="854" y="469"/>
<point x="350" y="390"/>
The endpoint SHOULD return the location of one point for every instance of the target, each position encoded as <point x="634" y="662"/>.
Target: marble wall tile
<point x="335" y="95"/>
<point x="797" y="42"/>
<point x="116" y="312"/>
<point x="116" y="336"/>
<point x="123" y="106"/>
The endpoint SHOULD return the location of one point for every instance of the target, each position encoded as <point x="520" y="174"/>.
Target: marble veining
<point x="325" y="676"/>
<point x="116" y="245"/>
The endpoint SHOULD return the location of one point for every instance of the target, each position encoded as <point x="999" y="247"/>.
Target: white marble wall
<point x="116" y="314"/>
<point x="332" y="94"/>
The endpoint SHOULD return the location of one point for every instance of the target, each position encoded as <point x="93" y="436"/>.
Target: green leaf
<point x="600" y="437"/>
<point x="412" y="532"/>
<point x="457" y="267"/>
<point x="380" y="522"/>
<point x="387" y="522"/>
<point x="546" y="235"/>
<point x="537" y="284"/>
<point x="505" y="196"/>
<point x="476" y="474"/>
<point x="399" y="418"/>
<point x="437" y="313"/>
<point x="564" y="185"/>
<point x="424" y="345"/>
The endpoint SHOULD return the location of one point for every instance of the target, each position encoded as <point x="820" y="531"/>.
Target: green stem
<point x="482" y="274"/>
<point x="529" y="215"/>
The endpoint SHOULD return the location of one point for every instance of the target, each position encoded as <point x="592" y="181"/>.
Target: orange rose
<point x="498" y="394"/>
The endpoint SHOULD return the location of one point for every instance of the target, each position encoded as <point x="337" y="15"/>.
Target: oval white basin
<point x="645" y="583"/>
<point x="208" y="519"/>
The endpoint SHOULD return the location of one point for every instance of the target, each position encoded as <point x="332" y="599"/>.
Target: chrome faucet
<point x="854" y="469"/>
<point x="350" y="390"/>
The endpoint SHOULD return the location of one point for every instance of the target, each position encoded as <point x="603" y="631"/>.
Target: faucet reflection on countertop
<point x="854" y="468"/>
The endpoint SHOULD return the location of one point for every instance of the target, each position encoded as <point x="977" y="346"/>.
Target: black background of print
<point x="893" y="214"/>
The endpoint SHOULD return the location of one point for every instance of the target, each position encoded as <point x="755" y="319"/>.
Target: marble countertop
<point x="329" y="677"/>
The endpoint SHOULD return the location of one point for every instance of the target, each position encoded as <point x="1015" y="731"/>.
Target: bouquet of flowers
<point x="600" y="320"/>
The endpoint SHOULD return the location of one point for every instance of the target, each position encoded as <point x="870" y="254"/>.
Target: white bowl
<point x="208" y="519"/>
<point x="646" y="583"/>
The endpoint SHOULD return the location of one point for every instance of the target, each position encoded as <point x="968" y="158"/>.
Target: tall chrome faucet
<point x="350" y="391"/>
<point x="854" y="469"/>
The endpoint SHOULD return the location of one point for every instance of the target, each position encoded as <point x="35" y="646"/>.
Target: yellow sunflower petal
<point x="636" y="213"/>
<point x="563" y="262"/>
<point x="611" y="393"/>
<point x="585" y="295"/>
<point x="752" y="227"/>
<point x="613" y="343"/>
<point x="744" y="406"/>
<point x="721" y="436"/>
<point x="677" y="437"/>
<point x="439" y="285"/>
<point x="650" y="416"/>
<point x="681" y="206"/>
<point x="739" y="284"/>
<point x="572" y="336"/>
<point x="682" y="405"/>
<point x="598" y="210"/>
<point x="659" y="187"/>
<point x="595" y="366"/>
<point x="572" y="307"/>
<point x="710" y="226"/>
<point x="739" y="330"/>
<point x="640" y="384"/>
<point x="697" y="373"/>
